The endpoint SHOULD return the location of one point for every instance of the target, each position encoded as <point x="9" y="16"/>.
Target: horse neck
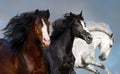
<point x="31" y="47"/>
<point x="33" y="56"/>
<point x="69" y="38"/>
<point x="66" y="39"/>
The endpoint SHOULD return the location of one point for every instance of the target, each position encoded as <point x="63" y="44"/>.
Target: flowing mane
<point x="102" y="27"/>
<point x="21" y="48"/>
<point x="18" y="28"/>
<point x="59" y="26"/>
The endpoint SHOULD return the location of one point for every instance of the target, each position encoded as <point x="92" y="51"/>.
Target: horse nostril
<point x="102" y="58"/>
<point x="89" y="37"/>
<point x="46" y="39"/>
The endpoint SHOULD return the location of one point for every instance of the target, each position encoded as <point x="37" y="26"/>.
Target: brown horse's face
<point x="42" y="31"/>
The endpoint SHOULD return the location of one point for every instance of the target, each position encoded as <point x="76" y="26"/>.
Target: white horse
<point x="84" y="53"/>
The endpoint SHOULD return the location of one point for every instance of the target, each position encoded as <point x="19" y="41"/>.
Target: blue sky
<point x="106" y="11"/>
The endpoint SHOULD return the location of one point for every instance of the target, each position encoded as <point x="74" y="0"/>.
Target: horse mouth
<point x="45" y="43"/>
<point x="102" y="58"/>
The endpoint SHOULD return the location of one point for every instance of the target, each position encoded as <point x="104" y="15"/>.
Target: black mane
<point x="18" y="27"/>
<point x="59" y="26"/>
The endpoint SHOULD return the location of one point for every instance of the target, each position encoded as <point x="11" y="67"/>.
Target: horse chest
<point x="30" y="65"/>
<point x="35" y="67"/>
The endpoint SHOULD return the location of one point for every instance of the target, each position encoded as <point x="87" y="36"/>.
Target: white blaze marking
<point x="44" y="28"/>
<point x="84" y="26"/>
<point x="45" y="36"/>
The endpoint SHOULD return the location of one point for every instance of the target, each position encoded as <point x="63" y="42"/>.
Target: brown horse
<point x="21" y="49"/>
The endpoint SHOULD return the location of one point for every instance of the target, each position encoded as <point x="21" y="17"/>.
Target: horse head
<point x="79" y="27"/>
<point x="42" y="26"/>
<point x="105" y="47"/>
<point x="28" y="25"/>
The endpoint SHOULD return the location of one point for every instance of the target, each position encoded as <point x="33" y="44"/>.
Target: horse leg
<point x="91" y="69"/>
<point x="85" y="65"/>
<point x="95" y="63"/>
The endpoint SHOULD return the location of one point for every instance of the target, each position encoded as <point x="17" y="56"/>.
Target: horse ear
<point x="81" y="13"/>
<point x="48" y="14"/>
<point x="111" y="36"/>
<point x="36" y="11"/>
<point x="71" y="14"/>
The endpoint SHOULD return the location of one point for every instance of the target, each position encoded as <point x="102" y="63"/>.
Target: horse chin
<point x="103" y="59"/>
<point x="45" y="44"/>
<point x="89" y="41"/>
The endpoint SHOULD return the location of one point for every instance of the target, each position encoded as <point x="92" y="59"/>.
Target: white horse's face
<point x="105" y="47"/>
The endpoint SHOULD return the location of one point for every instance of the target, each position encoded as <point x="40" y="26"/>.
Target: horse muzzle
<point x="102" y="57"/>
<point x="89" y="39"/>
<point x="46" y="41"/>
